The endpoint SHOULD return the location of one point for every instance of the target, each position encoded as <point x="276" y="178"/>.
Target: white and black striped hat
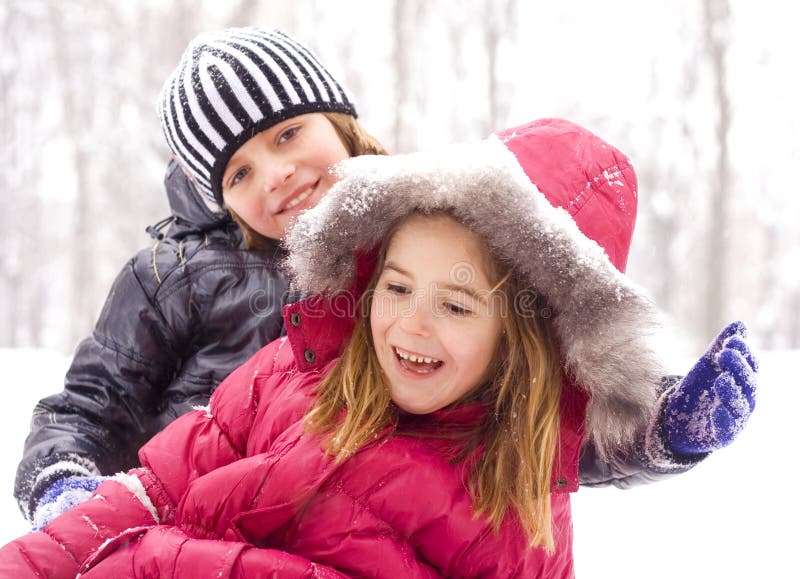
<point x="230" y="85"/>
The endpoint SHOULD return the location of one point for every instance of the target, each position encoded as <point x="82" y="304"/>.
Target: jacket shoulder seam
<point x="111" y="344"/>
<point x="189" y="278"/>
<point x="176" y="257"/>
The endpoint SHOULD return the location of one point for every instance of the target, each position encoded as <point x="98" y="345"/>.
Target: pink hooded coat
<point x="239" y="489"/>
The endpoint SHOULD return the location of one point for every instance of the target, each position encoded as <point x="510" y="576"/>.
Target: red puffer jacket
<point x="239" y="489"/>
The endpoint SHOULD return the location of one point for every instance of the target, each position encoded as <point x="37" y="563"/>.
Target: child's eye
<point x="238" y="176"/>
<point x="457" y="310"/>
<point x="288" y="134"/>
<point x="397" y="289"/>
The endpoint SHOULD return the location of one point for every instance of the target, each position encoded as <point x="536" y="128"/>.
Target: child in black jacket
<point x="187" y="311"/>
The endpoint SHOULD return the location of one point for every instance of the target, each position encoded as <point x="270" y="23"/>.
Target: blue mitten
<point x="61" y="496"/>
<point x="712" y="403"/>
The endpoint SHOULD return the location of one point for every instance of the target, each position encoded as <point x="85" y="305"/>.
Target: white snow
<point x="729" y="517"/>
<point x="133" y="484"/>
<point x="726" y="518"/>
<point x="206" y="410"/>
<point x="29" y="375"/>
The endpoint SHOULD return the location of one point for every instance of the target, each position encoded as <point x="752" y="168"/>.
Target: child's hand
<point x="61" y="496"/>
<point x="713" y="402"/>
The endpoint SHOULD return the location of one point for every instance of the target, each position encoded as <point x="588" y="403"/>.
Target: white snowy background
<point x="701" y="94"/>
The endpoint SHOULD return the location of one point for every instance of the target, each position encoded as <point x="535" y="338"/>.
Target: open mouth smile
<point x="416" y="363"/>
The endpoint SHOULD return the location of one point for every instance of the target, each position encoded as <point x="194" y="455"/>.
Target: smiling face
<point x="433" y="326"/>
<point x="282" y="171"/>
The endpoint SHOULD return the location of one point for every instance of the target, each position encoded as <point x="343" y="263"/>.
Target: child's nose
<point x="416" y="318"/>
<point x="276" y="174"/>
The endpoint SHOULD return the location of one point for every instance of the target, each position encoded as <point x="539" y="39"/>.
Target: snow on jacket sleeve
<point x="648" y="461"/>
<point x="75" y="536"/>
<point x="96" y="424"/>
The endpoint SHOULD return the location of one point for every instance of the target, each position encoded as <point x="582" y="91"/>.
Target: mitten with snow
<point x="710" y="406"/>
<point x="62" y="495"/>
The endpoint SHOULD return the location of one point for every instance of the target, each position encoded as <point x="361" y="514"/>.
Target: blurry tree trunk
<point x="669" y="188"/>
<point x="498" y="26"/>
<point x="147" y="67"/>
<point x="25" y="259"/>
<point x="661" y="223"/>
<point x="73" y="63"/>
<point x="771" y="286"/>
<point x="716" y="26"/>
<point x="403" y="20"/>
<point x="794" y="320"/>
<point x="458" y="129"/>
<point x="8" y="112"/>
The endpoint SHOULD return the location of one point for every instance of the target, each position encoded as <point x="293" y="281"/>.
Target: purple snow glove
<point x="713" y="402"/>
<point x="61" y="496"/>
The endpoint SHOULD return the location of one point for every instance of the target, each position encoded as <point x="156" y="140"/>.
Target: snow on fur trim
<point x="602" y="319"/>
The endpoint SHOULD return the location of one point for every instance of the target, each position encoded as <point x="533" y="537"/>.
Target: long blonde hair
<point x="356" y="140"/>
<point x="511" y="457"/>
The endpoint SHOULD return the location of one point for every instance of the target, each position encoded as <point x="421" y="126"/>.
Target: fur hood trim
<point x="603" y="321"/>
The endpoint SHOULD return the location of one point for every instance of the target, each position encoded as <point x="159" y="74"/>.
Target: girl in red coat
<point x="425" y="414"/>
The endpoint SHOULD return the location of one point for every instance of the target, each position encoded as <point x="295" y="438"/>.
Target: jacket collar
<point x="190" y="213"/>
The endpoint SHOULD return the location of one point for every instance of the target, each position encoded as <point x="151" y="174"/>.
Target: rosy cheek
<point x="374" y="322"/>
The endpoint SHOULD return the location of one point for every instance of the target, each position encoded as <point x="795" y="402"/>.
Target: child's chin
<point x="413" y="407"/>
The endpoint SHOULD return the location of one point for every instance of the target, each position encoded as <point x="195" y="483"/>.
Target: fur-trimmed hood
<point x="568" y="237"/>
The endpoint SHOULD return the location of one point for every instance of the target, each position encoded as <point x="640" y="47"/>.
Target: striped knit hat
<point x="230" y="85"/>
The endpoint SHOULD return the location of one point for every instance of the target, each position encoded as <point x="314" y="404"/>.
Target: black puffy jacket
<point x="180" y="317"/>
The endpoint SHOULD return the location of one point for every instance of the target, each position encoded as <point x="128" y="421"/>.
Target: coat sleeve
<point x="129" y="504"/>
<point x="116" y="532"/>
<point x="648" y="461"/>
<point x="60" y="549"/>
<point x="169" y="553"/>
<point x="98" y="422"/>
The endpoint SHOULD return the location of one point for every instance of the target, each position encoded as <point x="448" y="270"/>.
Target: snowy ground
<point x="734" y="516"/>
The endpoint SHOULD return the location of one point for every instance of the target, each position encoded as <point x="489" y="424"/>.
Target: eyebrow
<point x="469" y="290"/>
